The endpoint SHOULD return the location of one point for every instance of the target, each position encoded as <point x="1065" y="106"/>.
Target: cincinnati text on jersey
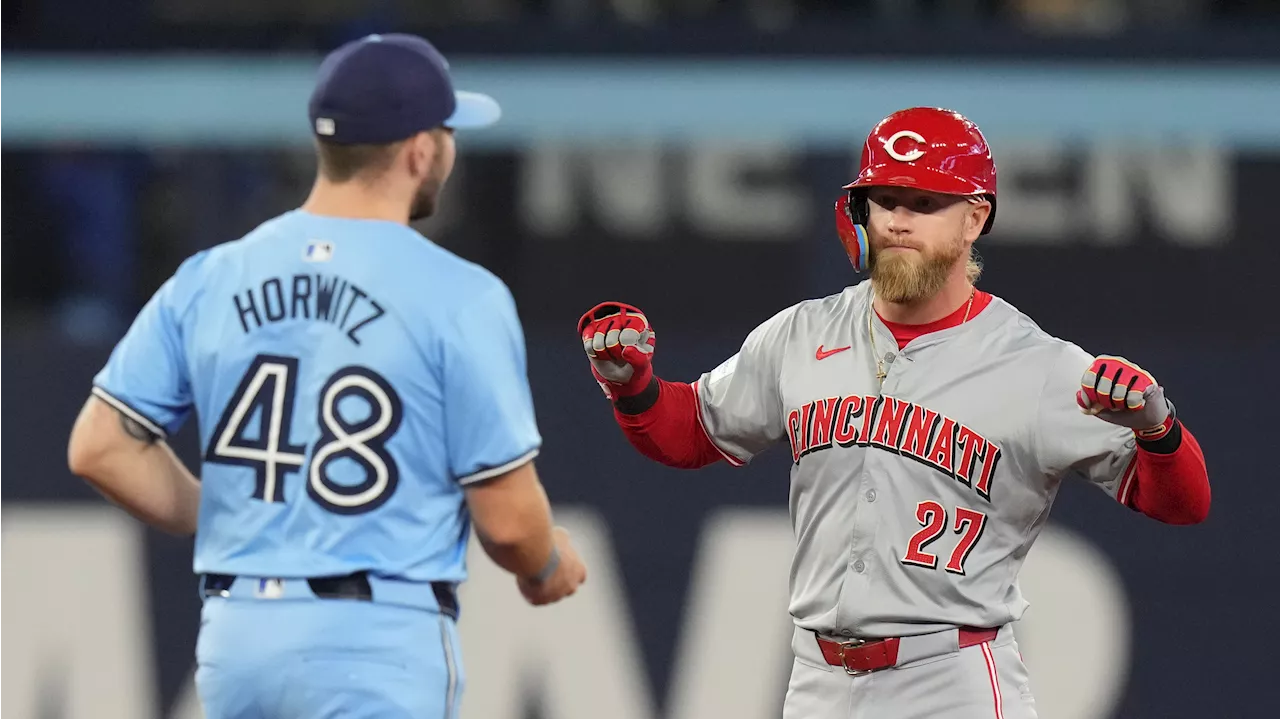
<point x="318" y="297"/>
<point x="897" y="426"/>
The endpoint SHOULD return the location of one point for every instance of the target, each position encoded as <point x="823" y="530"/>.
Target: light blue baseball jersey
<point x="350" y="378"/>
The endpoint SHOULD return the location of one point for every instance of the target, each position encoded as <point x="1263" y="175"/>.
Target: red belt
<point x="863" y="656"/>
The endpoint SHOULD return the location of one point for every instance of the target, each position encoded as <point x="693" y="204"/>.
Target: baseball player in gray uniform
<point x="930" y="426"/>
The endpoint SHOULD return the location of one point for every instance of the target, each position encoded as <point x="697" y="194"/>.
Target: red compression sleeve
<point x="1172" y="488"/>
<point x="669" y="432"/>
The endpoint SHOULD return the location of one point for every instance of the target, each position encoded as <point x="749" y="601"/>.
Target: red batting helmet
<point x="926" y="148"/>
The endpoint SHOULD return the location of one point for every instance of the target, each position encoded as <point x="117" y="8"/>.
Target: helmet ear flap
<point x="853" y="234"/>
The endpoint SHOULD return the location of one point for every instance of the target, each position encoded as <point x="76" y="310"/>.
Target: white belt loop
<point x="923" y="646"/>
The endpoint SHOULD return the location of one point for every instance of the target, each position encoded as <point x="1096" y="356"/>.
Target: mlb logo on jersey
<point x="318" y="251"/>
<point x="270" y="589"/>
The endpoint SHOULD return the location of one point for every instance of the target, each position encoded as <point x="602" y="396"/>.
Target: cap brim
<point x="474" y="110"/>
<point x="922" y="178"/>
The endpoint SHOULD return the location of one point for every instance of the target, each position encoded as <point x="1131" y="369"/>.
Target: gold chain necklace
<point x="875" y="353"/>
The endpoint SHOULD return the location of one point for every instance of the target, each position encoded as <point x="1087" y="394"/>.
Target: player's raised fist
<point x="619" y="343"/>
<point x="1120" y="392"/>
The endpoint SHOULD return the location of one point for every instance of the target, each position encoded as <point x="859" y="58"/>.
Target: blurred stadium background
<point x="682" y="155"/>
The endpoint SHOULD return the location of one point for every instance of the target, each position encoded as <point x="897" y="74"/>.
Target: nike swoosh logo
<point x="823" y="354"/>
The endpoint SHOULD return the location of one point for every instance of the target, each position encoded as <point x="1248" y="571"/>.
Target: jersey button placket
<point x="865" y="524"/>
<point x="892" y="368"/>
<point x="884" y="357"/>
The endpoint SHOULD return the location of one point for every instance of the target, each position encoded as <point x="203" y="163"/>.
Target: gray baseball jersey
<point x="914" y="502"/>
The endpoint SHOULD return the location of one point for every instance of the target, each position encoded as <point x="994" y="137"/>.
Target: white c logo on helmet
<point x="915" y="154"/>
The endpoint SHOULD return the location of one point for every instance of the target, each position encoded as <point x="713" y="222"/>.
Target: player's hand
<point x="619" y="342"/>
<point x="1120" y="392"/>
<point x="566" y="579"/>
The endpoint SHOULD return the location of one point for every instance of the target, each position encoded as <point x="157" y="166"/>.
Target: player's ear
<point x="420" y="149"/>
<point x="976" y="219"/>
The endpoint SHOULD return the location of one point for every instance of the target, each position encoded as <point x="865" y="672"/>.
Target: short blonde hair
<point x="973" y="267"/>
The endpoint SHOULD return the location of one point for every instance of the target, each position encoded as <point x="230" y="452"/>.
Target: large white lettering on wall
<point x="1050" y="193"/>
<point x="637" y="191"/>
<point x="80" y="642"/>
<point x="1105" y="194"/>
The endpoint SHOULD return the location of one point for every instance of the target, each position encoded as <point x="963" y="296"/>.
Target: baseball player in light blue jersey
<point x="362" y="400"/>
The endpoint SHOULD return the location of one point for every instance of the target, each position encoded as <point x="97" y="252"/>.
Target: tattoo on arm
<point x="134" y="429"/>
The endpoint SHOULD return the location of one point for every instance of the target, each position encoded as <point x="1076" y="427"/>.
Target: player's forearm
<point x="522" y="543"/>
<point x="662" y="424"/>
<point x="149" y="482"/>
<point x="512" y="518"/>
<point x="1172" y="481"/>
<point x="525" y="558"/>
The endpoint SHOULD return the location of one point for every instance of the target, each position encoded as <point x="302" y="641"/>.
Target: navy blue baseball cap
<point x="384" y="88"/>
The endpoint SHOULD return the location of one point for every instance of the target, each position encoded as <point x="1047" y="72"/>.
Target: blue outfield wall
<point x="235" y="100"/>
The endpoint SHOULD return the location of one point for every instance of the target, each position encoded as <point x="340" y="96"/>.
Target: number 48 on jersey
<point x="268" y="393"/>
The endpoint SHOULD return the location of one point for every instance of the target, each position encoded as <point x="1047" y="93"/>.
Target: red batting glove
<point x="619" y="342"/>
<point x="1120" y="392"/>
